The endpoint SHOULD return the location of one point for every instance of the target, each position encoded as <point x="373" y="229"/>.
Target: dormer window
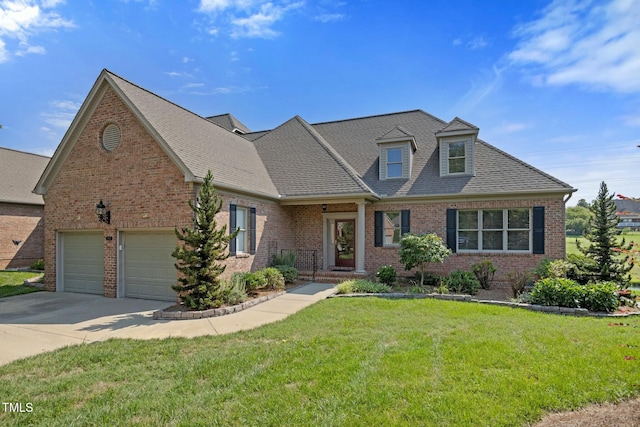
<point x="457" y="157"/>
<point x="394" y="162"/>
<point x="396" y="154"/>
<point x="457" y="148"/>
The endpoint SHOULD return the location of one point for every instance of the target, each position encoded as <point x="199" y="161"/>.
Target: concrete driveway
<point x="43" y="321"/>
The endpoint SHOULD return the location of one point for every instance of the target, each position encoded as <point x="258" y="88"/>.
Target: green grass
<point x="341" y="362"/>
<point x="629" y="237"/>
<point x="11" y="283"/>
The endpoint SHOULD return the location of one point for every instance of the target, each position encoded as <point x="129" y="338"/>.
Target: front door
<point x="345" y="243"/>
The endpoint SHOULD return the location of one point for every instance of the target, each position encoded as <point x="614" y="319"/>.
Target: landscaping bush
<point x="285" y="258"/>
<point x="569" y="293"/>
<point x="362" y="287"/>
<point x="37" y="265"/>
<point x="484" y="272"/>
<point x="253" y="281"/>
<point x="428" y="278"/>
<point x="581" y="267"/>
<point x="519" y="281"/>
<point x="289" y="273"/>
<point x="601" y="297"/>
<point x="272" y="277"/>
<point x="387" y="275"/>
<point x="232" y="291"/>
<point x="463" y="282"/>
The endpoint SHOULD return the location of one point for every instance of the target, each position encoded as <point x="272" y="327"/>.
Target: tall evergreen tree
<point x="611" y="261"/>
<point x="201" y="251"/>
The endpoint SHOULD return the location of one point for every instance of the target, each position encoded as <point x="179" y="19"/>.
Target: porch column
<point x="360" y="243"/>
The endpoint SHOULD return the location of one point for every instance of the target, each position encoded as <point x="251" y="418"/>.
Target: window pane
<point x="394" y="155"/>
<point x="468" y="220"/>
<point x="468" y="240"/>
<point x="492" y="240"/>
<point x="241" y="222"/>
<point x="518" y="241"/>
<point x="241" y="241"/>
<point x="519" y="218"/>
<point x="456" y="149"/>
<point x="394" y="170"/>
<point x="392" y="228"/>
<point x="492" y="220"/>
<point x="456" y="165"/>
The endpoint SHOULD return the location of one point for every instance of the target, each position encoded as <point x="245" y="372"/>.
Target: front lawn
<point x="12" y="283"/>
<point x="351" y="362"/>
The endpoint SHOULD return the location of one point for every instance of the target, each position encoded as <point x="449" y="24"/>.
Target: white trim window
<point x="392" y="228"/>
<point x="241" y="224"/>
<point x="456" y="157"/>
<point x="394" y="162"/>
<point x="494" y="230"/>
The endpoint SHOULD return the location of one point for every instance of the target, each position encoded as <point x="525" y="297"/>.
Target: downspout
<point x="567" y="199"/>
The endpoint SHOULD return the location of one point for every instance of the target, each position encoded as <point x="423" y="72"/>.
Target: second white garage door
<point x="149" y="270"/>
<point x="82" y="262"/>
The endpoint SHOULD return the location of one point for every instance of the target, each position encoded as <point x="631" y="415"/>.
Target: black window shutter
<point x="451" y="229"/>
<point x="405" y="221"/>
<point x="232" y="228"/>
<point x="538" y="229"/>
<point x="379" y="228"/>
<point x="252" y="231"/>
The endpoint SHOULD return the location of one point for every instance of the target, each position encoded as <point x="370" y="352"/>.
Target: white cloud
<point x="62" y="114"/>
<point x="477" y="43"/>
<point x="507" y="128"/>
<point x="488" y="83"/>
<point x="582" y="42"/>
<point x="245" y="18"/>
<point x="632" y="120"/>
<point x="24" y="19"/>
<point x="329" y="17"/>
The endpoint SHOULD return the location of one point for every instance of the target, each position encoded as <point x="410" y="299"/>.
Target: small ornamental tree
<point x="611" y="259"/>
<point x="420" y="250"/>
<point x="203" y="247"/>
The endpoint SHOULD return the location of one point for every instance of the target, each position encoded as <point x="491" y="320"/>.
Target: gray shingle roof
<point x="302" y="163"/>
<point x="457" y="124"/>
<point x="229" y="122"/>
<point x="199" y="143"/>
<point x="19" y="173"/>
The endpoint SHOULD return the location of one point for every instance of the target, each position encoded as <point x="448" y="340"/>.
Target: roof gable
<point x="230" y="123"/>
<point x="192" y="142"/>
<point x="19" y="172"/>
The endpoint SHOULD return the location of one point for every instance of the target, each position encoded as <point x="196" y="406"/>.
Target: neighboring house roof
<point x="627" y="207"/>
<point x="229" y="122"/>
<point x="193" y="142"/>
<point x="298" y="160"/>
<point x="19" y="172"/>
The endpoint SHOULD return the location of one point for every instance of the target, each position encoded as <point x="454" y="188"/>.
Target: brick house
<point x="340" y="193"/>
<point x="21" y="211"/>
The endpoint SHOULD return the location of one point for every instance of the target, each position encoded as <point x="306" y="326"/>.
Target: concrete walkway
<point x="43" y="321"/>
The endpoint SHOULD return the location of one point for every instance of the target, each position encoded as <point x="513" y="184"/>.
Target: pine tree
<point x="611" y="261"/>
<point x="203" y="248"/>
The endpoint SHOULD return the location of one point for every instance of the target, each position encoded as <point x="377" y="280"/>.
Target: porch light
<point x="324" y="207"/>
<point x="103" y="214"/>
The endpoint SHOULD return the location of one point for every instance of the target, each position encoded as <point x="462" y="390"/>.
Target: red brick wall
<point x="142" y="188"/>
<point x="431" y="218"/>
<point x="22" y="223"/>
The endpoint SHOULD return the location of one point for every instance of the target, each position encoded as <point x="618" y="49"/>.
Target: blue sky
<point x="554" y="83"/>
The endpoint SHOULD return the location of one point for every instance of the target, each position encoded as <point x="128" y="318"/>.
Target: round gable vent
<point x="111" y="137"/>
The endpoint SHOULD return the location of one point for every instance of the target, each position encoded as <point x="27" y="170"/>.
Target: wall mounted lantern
<point x="103" y="214"/>
<point x="324" y="207"/>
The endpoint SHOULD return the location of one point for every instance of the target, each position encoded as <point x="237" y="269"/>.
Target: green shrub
<point x="345" y="287"/>
<point x="484" y="272"/>
<point x="253" y="281"/>
<point x="387" y="275"/>
<point x="232" y="291"/>
<point x="519" y="281"/>
<point x="271" y="277"/>
<point x="362" y="287"/>
<point x="601" y="297"/>
<point x="463" y="282"/>
<point x="580" y="268"/>
<point x="569" y="293"/>
<point x="285" y="258"/>
<point x="542" y="268"/>
<point x="428" y="278"/>
<point x="37" y="265"/>
<point x="289" y="273"/>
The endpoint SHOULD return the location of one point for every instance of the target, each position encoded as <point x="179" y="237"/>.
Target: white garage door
<point x="149" y="270"/>
<point x="83" y="263"/>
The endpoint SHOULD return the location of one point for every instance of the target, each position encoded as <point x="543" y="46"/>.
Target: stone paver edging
<point x="468" y="298"/>
<point x="213" y="312"/>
